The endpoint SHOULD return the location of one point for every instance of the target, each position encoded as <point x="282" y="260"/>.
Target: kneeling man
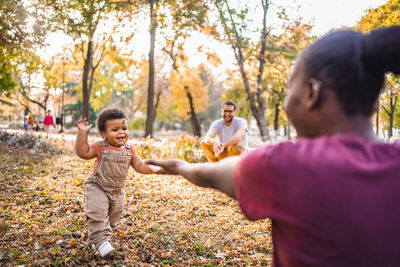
<point x="227" y="136"/>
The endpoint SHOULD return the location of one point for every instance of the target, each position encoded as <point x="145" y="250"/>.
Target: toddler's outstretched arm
<point x="81" y="145"/>
<point x="144" y="168"/>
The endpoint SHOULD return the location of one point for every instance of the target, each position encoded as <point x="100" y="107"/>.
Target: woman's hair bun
<point x="381" y="50"/>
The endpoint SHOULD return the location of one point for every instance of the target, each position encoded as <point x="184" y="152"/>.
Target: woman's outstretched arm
<point x="214" y="175"/>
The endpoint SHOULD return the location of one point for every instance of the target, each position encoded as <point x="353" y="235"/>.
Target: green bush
<point x="137" y="124"/>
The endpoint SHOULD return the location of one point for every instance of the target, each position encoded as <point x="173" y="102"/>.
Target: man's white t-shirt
<point x="225" y="132"/>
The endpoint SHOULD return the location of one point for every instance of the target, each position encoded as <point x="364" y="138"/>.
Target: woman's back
<point x="334" y="200"/>
<point x="333" y="195"/>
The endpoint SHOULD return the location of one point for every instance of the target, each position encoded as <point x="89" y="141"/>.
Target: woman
<point x="332" y="195"/>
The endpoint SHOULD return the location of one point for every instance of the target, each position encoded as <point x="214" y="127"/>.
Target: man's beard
<point x="228" y="120"/>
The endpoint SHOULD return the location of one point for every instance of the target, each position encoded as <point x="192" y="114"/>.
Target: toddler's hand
<point x="83" y="125"/>
<point x="170" y="166"/>
<point x="155" y="169"/>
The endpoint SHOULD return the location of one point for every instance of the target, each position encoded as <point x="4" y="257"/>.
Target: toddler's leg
<point x="116" y="207"/>
<point x="96" y="211"/>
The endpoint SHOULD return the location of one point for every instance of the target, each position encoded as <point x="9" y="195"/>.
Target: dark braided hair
<point x="354" y="65"/>
<point x="109" y="114"/>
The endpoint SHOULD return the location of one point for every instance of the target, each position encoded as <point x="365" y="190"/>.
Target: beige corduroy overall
<point x="104" y="193"/>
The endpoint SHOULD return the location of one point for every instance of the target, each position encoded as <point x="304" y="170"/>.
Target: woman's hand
<point x="171" y="166"/>
<point x="214" y="175"/>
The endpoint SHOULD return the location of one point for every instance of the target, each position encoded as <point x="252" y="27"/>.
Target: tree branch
<point x="261" y="58"/>
<point x="385" y="109"/>
<point x="23" y="93"/>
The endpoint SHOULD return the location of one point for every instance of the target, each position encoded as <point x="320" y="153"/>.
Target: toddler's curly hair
<point x="109" y="114"/>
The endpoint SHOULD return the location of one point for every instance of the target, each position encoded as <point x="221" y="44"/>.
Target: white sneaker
<point x="105" y="248"/>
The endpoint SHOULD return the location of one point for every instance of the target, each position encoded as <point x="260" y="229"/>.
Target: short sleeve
<point x="254" y="184"/>
<point x="242" y="124"/>
<point x="97" y="147"/>
<point x="134" y="156"/>
<point x="216" y="126"/>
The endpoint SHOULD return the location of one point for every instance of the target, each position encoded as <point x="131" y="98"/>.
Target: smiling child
<point x="104" y="189"/>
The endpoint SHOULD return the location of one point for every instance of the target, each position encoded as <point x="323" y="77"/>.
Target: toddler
<point x="104" y="189"/>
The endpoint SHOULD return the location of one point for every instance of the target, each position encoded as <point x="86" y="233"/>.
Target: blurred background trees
<point x="387" y="110"/>
<point x="168" y="64"/>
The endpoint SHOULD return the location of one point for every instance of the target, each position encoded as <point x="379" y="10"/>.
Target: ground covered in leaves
<point x="166" y="222"/>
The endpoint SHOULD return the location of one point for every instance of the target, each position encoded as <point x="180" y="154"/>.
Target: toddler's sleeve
<point x="97" y="147"/>
<point x="134" y="156"/>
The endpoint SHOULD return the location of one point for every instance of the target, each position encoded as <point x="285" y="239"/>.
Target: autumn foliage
<point x="189" y="78"/>
<point x="166" y="222"/>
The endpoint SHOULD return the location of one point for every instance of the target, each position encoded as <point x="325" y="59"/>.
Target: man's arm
<point x="235" y="138"/>
<point x="218" y="175"/>
<point x="210" y="136"/>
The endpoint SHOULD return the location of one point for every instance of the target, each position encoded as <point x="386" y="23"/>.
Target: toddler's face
<point x="116" y="132"/>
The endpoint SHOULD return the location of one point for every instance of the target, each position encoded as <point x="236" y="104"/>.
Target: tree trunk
<point x="276" y="118"/>
<point x="156" y="105"/>
<point x="393" y="103"/>
<point x="150" y="92"/>
<point x="391" y="125"/>
<point x="261" y="61"/>
<point x="391" y="115"/>
<point x="257" y="113"/>
<point x="391" y="111"/>
<point x="377" y="118"/>
<point x="194" y="122"/>
<point x="257" y="105"/>
<point x="86" y="88"/>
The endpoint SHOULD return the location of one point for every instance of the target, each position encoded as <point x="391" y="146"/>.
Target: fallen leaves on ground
<point x="166" y="222"/>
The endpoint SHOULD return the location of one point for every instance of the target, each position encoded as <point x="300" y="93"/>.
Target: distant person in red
<point x="333" y="195"/>
<point x="48" y="123"/>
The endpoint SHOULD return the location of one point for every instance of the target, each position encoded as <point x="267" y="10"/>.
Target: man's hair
<point x="230" y="103"/>
<point x="109" y="114"/>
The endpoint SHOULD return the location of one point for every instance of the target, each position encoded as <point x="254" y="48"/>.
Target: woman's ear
<point x="314" y="94"/>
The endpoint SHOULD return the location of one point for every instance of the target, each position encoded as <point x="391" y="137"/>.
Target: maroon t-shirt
<point x="333" y="200"/>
